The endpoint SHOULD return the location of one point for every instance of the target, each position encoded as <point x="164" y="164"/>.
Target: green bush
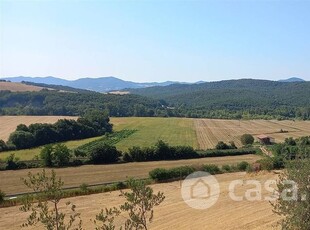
<point x="55" y="156"/>
<point x="84" y="187"/>
<point x="247" y="139"/>
<point x="212" y="169"/>
<point x="2" y="195"/>
<point x="3" y="146"/>
<point x="159" y="174"/>
<point x="104" y="154"/>
<point x="11" y="162"/>
<point x="161" y="151"/>
<point x="242" y="166"/>
<point x="266" y="163"/>
<point x="249" y="168"/>
<point x="226" y="168"/>
<point x="181" y="172"/>
<point x="61" y="155"/>
<point x="222" y="145"/>
<point x="22" y="139"/>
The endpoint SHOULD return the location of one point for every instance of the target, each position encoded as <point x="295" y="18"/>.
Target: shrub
<point x="159" y="174"/>
<point x="11" y="162"/>
<point x="120" y="185"/>
<point x="247" y="139"/>
<point x="3" y="146"/>
<point x="222" y="145"/>
<point x="84" y="187"/>
<point x="212" y="169"/>
<point x="162" y="151"/>
<point x="22" y="139"/>
<point x="2" y="195"/>
<point x="242" y="166"/>
<point x="76" y="162"/>
<point x="226" y="168"/>
<point x="58" y="155"/>
<point x="46" y="155"/>
<point x="79" y="153"/>
<point x="266" y="163"/>
<point x="181" y="172"/>
<point x="137" y="154"/>
<point x="249" y="168"/>
<point x="61" y="155"/>
<point x="127" y="157"/>
<point x="104" y="154"/>
<point x="278" y="162"/>
<point x="184" y="152"/>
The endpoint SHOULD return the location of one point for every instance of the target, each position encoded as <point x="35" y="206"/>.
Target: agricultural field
<point x="210" y="131"/>
<point x="198" y="133"/>
<point x="8" y="124"/>
<point x="173" y="213"/>
<point x="175" y="131"/>
<point x="18" y="87"/>
<point x="93" y="174"/>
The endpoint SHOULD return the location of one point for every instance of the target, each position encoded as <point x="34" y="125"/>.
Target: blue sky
<point x="155" y="40"/>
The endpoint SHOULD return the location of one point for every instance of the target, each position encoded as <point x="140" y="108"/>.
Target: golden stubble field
<point x="174" y="213"/>
<point x="199" y="133"/>
<point x="11" y="183"/>
<point x="8" y="124"/>
<point x="18" y="87"/>
<point x="210" y="131"/>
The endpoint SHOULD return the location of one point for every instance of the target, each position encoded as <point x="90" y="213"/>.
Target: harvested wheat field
<point x="10" y="181"/>
<point x="173" y="213"/>
<point x="18" y="87"/>
<point x="8" y="124"/>
<point x="210" y="131"/>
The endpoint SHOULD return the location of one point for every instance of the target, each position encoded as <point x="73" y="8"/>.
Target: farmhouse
<point x="264" y="139"/>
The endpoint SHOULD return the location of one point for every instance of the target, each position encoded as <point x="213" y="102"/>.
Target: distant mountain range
<point x="292" y="79"/>
<point x="106" y="84"/>
<point x="102" y="84"/>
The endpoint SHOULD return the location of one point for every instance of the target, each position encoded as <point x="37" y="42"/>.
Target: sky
<point x="158" y="40"/>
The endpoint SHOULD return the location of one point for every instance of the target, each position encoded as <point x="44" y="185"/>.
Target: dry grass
<point x="9" y="123"/>
<point x="18" y="87"/>
<point x="210" y="131"/>
<point x="173" y="213"/>
<point x="10" y="181"/>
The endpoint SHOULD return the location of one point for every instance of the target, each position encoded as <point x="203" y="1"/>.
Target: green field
<point x="29" y="154"/>
<point x="176" y="131"/>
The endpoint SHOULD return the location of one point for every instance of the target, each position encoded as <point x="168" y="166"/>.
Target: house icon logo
<point x="200" y="190"/>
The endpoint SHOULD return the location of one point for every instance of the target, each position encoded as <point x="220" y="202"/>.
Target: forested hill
<point x="68" y="103"/>
<point x="244" y="98"/>
<point x="234" y="99"/>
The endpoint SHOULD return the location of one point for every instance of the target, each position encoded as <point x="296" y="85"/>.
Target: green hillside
<point x="244" y="98"/>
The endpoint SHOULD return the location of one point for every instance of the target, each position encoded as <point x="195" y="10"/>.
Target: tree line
<point x="94" y="123"/>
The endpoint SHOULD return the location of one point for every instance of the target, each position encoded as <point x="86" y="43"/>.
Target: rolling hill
<point x="236" y="98"/>
<point x="102" y="84"/>
<point x="18" y="87"/>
